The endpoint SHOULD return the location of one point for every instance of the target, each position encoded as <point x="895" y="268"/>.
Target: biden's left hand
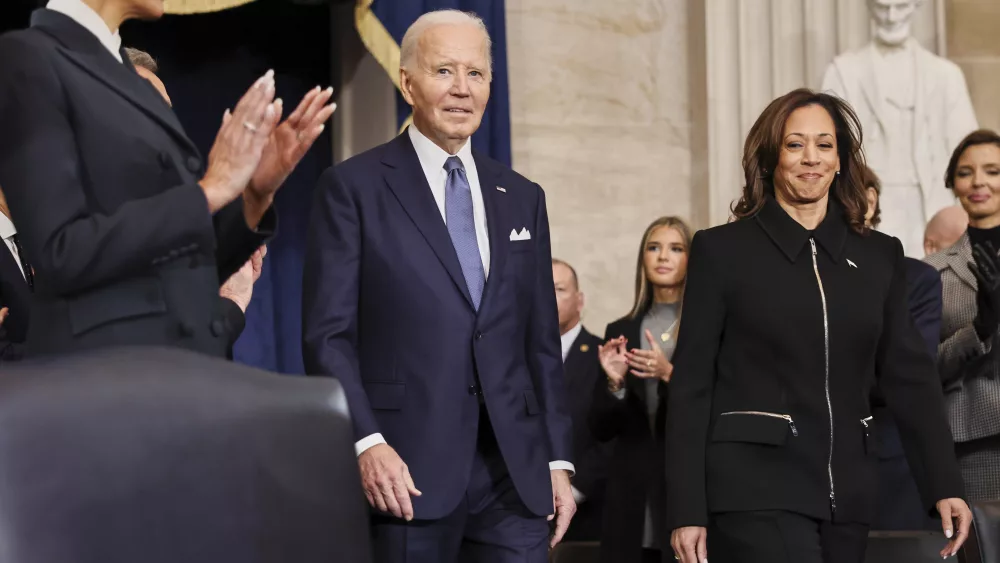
<point x="565" y="504"/>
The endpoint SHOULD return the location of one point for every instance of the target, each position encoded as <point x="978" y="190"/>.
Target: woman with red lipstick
<point x="792" y="313"/>
<point x="630" y="405"/>
<point x="970" y="320"/>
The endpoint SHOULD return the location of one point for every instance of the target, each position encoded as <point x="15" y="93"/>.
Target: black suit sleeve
<point x="235" y="320"/>
<point x="236" y="241"/>
<point x="912" y="390"/>
<point x="691" y="387"/>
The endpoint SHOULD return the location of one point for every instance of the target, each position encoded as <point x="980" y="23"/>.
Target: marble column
<point x="973" y="44"/>
<point x="600" y="119"/>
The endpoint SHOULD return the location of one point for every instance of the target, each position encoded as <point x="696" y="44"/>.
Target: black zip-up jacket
<point x="785" y="332"/>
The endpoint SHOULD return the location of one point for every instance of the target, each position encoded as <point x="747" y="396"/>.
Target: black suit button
<point x="185" y="330"/>
<point x="218" y="327"/>
<point x="479" y="335"/>
<point x="193" y="164"/>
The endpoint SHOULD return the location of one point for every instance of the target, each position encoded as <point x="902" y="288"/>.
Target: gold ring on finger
<point x="649" y="363"/>
<point x="250" y="127"/>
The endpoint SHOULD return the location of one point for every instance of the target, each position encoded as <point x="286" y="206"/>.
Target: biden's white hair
<point x="408" y="48"/>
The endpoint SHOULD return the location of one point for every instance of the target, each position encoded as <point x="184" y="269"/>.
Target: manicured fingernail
<point x="947" y="534"/>
<point x="334" y="106"/>
<point x="269" y="112"/>
<point x="269" y="73"/>
<point x="278" y="102"/>
<point x="320" y="129"/>
<point x="329" y="90"/>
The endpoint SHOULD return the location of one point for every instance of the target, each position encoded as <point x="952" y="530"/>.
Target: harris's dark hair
<point x="980" y="137"/>
<point x="763" y="148"/>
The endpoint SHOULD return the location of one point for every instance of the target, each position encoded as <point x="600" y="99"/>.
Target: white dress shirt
<point x="432" y="159"/>
<point x="88" y="18"/>
<point x="7" y="232"/>
<point x="569" y="338"/>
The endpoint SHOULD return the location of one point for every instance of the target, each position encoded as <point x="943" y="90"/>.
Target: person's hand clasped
<point x="239" y="287"/>
<point x="690" y="544"/>
<point x="386" y="481"/>
<point x="652" y="363"/>
<point x="289" y="142"/>
<point x="952" y="509"/>
<point x="239" y="143"/>
<point x="614" y="360"/>
<point x="564" y="504"/>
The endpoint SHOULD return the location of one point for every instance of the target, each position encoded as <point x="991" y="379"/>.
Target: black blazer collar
<point x="86" y="51"/>
<point x="791" y="237"/>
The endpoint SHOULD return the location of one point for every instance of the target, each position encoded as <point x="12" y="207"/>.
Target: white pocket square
<point x="523" y="235"/>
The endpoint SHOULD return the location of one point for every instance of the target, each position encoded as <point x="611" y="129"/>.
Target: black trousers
<point x="776" y="536"/>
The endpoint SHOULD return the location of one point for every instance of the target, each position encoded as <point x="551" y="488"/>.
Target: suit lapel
<point x="406" y="179"/>
<point x="85" y="51"/>
<point x="959" y="256"/>
<point x="497" y="219"/>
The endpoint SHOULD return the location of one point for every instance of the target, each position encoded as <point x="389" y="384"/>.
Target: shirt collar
<point x="433" y="157"/>
<point x="790" y="236"/>
<point x="89" y="19"/>
<point x="569" y="338"/>
<point x="7" y="228"/>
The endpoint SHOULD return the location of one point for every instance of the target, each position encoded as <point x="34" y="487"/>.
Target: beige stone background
<point x="599" y="117"/>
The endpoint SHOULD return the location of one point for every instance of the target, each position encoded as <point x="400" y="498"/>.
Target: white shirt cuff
<point x="619" y="394"/>
<point x="553" y="465"/>
<point x="578" y="496"/>
<point x="363" y="444"/>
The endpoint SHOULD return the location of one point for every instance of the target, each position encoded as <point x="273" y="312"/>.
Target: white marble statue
<point x="914" y="109"/>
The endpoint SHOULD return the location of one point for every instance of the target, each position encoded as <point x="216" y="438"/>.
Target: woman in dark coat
<point x="629" y="405"/>
<point x="792" y="313"/>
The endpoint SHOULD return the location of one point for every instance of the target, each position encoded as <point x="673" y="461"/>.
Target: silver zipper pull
<point x="812" y="243"/>
<point x="791" y="423"/>
<point x="865" y="421"/>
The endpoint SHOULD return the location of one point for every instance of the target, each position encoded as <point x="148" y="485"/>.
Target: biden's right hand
<point x="386" y="481"/>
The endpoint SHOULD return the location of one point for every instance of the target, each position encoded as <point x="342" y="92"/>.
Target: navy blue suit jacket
<point x="387" y="311"/>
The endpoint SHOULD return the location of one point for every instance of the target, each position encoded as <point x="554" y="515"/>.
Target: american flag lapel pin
<point x="501" y="189"/>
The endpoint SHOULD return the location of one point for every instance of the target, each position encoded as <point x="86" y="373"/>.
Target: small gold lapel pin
<point x="501" y="189"/>
<point x="584" y="347"/>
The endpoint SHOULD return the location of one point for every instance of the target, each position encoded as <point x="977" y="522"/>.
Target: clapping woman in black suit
<point x="128" y="230"/>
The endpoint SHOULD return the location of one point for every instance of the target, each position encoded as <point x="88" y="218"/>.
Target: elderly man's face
<point x="892" y="19"/>
<point x="448" y="84"/>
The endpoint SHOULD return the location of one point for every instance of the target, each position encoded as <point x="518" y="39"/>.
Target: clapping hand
<point x="289" y="142"/>
<point x="986" y="268"/>
<point x="650" y="363"/>
<point x="614" y="359"/>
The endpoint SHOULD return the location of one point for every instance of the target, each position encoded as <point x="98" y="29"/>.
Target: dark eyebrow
<point x="803" y="135"/>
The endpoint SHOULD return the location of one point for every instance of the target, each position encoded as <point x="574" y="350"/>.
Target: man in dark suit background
<point x="16" y="283"/>
<point x="899" y="505"/>
<point x="583" y="370"/>
<point x="428" y="293"/>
